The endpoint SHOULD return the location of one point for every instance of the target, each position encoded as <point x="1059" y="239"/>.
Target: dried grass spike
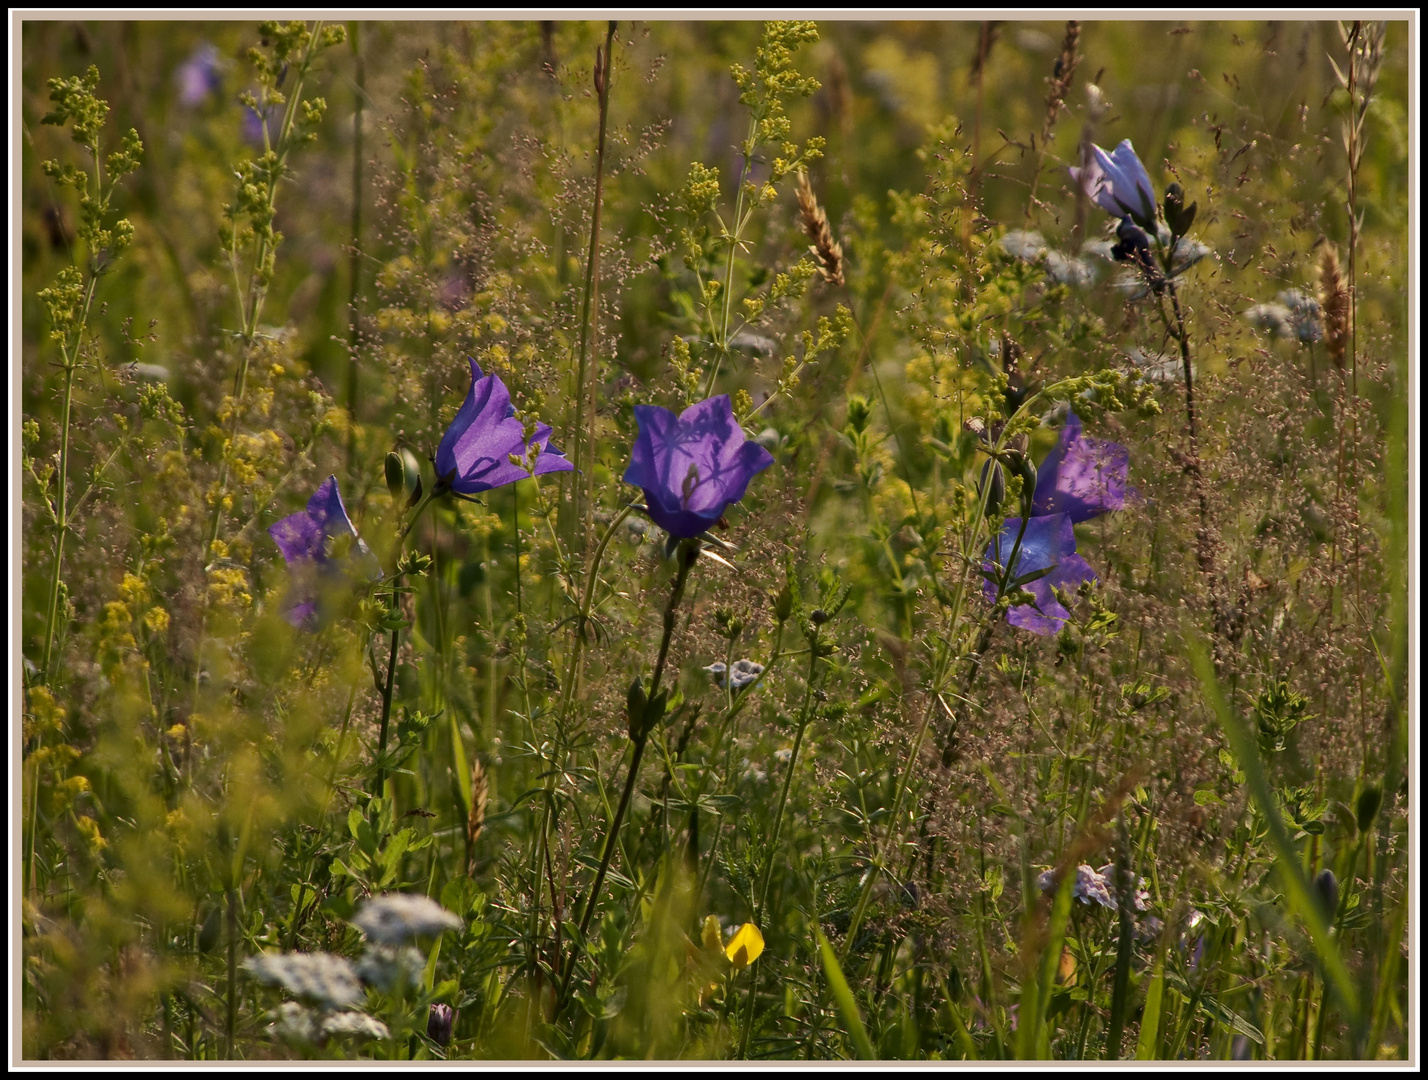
<point x="1334" y="299"/>
<point x="825" y="249"/>
<point x="476" y="820"/>
<point x="1060" y="81"/>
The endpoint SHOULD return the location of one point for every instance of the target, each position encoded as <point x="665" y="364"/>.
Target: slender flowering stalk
<point x="589" y="305"/>
<point x="70" y="300"/>
<point x="1119" y="184"/>
<point x="646" y="709"/>
<point x="826" y="250"/>
<point x="1058" y="85"/>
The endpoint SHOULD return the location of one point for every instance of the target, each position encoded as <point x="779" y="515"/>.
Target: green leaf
<point x="1297" y="887"/>
<point x="1150" y="1019"/>
<point x="843" y="998"/>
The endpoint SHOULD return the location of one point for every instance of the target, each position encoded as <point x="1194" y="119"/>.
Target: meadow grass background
<point x="900" y="804"/>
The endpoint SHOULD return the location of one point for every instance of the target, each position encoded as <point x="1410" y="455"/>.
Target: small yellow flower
<point x="745" y="946"/>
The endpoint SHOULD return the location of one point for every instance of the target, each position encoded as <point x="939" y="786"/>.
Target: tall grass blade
<point x="843" y="998"/>
<point x="1297" y="887"/>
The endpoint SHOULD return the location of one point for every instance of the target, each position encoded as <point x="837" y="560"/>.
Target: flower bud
<point x="860" y="412"/>
<point x="439" y="1022"/>
<point x="635" y="703"/>
<point x="782" y="603"/>
<point x="1326" y="887"/>
<point x="993" y="486"/>
<point x="403" y="477"/>
<point x="1370" y="799"/>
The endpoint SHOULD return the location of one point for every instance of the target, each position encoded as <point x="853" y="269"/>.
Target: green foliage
<point x="794" y="790"/>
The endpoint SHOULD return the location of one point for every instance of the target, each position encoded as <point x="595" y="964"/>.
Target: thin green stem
<point x="686" y="554"/>
<point x="805" y="715"/>
<point x="354" y="258"/>
<point x="589" y="329"/>
<point x="721" y="333"/>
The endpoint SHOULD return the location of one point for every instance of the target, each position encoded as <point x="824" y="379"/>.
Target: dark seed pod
<point x="994" y="486"/>
<point x="1370" y="799"/>
<point x="403" y="474"/>
<point x="1326" y="886"/>
<point x="208" y="933"/>
<point x="635" y="704"/>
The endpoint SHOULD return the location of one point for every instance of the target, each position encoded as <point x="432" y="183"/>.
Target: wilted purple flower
<point x="1083" y="477"/>
<point x="198" y="76"/>
<point x="1048" y="542"/>
<point x="1133" y="245"/>
<point x="692" y="466"/>
<point x="745" y="672"/>
<point x="1118" y="183"/>
<point x="312" y="543"/>
<point x="1141" y="897"/>
<point x="439" y="1022"/>
<point x="475" y="453"/>
<point x="1090" y="886"/>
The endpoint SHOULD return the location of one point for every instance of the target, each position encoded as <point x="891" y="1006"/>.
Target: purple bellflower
<point x="692" y="466"/>
<point x="1082" y="476"/>
<point x="311" y="542"/>
<point x="198" y="77"/>
<point x="475" y="453"/>
<point x="1047" y="544"/>
<point x="1118" y="183"/>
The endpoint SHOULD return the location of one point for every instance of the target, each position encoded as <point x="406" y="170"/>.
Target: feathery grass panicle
<point x="476" y="819"/>
<point x="825" y="249"/>
<point x="1059" y="83"/>
<point x="1335" y="301"/>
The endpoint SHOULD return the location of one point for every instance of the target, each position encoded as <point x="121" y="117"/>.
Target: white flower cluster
<point x="324" y="979"/>
<point x="397" y="918"/>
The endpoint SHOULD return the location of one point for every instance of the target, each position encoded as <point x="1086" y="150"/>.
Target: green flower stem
<point x="939" y="683"/>
<point x="69" y="360"/>
<point x="687" y="552"/>
<point x="589" y="328"/>
<point x="381" y="776"/>
<point x="761" y="910"/>
<point x="572" y="680"/>
<point x="254" y="293"/>
<point x="572" y="673"/>
<point x="805" y="715"/>
<point x="740" y="219"/>
<point x="62" y="516"/>
<point x="1204" y="550"/>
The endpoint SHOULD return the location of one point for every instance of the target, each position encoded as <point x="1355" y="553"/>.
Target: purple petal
<point x="476" y="449"/>
<point x="326" y="509"/>
<point x="299" y="538"/>
<point x="1135" y="188"/>
<point x="1048" y="541"/>
<point x="692" y="467"/>
<point x="1082" y="476"/>
<point x="305" y="539"/>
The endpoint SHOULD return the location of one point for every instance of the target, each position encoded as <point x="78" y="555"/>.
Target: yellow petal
<point x="713" y="938"/>
<point x="745" y="946"/>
